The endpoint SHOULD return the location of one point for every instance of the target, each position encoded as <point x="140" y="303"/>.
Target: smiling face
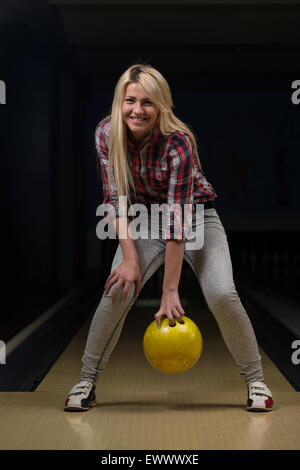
<point x="139" y="112"/>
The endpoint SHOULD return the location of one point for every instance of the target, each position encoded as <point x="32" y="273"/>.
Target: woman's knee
<point x="222" y="300"/>
<point x="119" y="295"/>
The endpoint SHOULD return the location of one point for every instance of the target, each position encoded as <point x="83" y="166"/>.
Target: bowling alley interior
<point x="233" y="69"/>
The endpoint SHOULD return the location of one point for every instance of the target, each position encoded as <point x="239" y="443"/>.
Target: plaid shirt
<point x="165" y="170"/>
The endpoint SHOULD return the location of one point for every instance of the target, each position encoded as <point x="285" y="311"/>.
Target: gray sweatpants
<point x="212" y="267"/>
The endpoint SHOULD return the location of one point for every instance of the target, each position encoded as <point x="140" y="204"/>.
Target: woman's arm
<point x="126" y="242"/>
<point x="170" y="303"/>
<point x="128" y="271"/>
<point x="173" y="264"/>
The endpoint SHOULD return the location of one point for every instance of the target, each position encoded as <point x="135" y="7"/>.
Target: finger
<point x="113" y="273"/>
<point x="115" y="290"/>
<point x="109" y="285"/>
<point x="158" y="316"/>
<point x="180" y="313"/>
<point x="171" y="319"/>
<point x="177" y="316"/>
<point x="180" y="309"/>
<point x="125" y="291"/>
<point x="110" y="281"/>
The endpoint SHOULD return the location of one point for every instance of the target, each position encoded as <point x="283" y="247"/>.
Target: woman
<point x="148" y="155"/>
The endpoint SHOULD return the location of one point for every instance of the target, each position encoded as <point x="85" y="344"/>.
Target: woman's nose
<point x="138" y="108"/>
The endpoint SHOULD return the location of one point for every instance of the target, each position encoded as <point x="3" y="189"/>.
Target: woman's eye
<point x="130" y="100"/>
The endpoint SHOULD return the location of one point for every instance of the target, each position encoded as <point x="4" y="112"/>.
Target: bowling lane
<point x="214" y="371"/>
<point x="142" y="408"/>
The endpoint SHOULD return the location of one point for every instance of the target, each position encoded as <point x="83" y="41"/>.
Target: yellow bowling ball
<point x="173" y="349"/>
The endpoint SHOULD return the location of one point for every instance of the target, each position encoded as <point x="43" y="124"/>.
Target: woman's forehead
<point x="135" y="90"/>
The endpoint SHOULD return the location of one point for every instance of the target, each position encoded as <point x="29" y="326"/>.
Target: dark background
<point x="230" y="66"/>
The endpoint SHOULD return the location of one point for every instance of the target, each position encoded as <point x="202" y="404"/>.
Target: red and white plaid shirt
<point x="165" y="170"/>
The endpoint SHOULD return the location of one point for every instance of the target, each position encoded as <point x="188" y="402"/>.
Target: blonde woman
<point x="149" y="156"/>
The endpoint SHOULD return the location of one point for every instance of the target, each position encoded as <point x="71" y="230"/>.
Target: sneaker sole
<point x="80" y="408"/>
<point x="258" y="409"/>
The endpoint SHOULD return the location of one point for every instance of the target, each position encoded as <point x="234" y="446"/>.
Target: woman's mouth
<point x="137" y="119"/>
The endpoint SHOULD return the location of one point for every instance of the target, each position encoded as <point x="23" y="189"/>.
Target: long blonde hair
<point x="157" y="89"/>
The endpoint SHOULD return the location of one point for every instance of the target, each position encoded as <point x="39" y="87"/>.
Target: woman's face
<point x="138" y="111"/>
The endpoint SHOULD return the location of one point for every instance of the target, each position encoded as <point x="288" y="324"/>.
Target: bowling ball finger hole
<point x="181" y="323"/>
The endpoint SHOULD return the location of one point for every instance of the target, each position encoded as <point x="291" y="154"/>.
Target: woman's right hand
<point x="124" y="275"/>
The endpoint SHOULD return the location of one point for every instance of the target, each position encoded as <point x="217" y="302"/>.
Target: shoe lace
<point x="80" y="389"/>
<point x="256" y="389"/>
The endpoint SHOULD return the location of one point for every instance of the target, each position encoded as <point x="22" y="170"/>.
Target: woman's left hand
<point x="170" y="307"/>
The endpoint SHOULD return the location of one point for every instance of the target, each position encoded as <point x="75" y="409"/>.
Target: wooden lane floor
<point x="139" y="407"/>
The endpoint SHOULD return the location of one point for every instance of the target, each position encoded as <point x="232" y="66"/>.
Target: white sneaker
<point x="81" y="397"/>
<point x="259" y="397"/>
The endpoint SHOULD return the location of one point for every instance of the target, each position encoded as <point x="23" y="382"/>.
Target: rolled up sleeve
<point x="180" y="192"/>
<point x="110" y="197"/>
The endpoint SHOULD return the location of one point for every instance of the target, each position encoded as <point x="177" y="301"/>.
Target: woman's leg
<point x="109" y="317"/>
<point x="212" y="265"/>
